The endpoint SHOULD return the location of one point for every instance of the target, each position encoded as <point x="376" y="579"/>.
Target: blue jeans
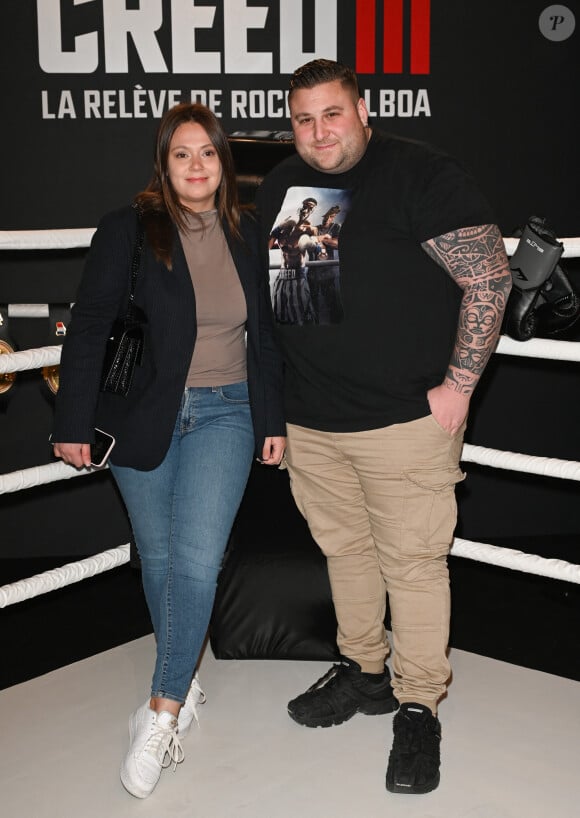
<point x="182" y="514"/>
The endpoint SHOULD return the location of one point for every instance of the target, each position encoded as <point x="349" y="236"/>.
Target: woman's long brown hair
<point x="159" y="204"/>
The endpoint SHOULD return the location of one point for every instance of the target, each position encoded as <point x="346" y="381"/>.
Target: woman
<point x="204" y="398"/>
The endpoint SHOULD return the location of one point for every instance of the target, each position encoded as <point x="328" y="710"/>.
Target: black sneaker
<point x="342" y="692"/>
<point x="415" y="758"/>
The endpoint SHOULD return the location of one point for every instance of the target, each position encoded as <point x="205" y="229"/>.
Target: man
<point x="377" y="404"/>
<point x="291" y="298"/>
<point x="323" y="278"/>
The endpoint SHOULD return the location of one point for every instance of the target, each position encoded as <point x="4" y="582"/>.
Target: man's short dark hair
<point x="318" y="71"/>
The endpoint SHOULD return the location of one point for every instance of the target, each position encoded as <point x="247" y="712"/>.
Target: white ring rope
<point x="67" y="239"/>
<point x="571" y="246"/>
<point x="516" y="560"/>
<point x="81" y="237"/>
<point x="30" y="359"/>
<point x="540" y="348"/>
<point x="40" y="475"/>
<point x="534" y="348"/>
<point x="513" y="461"/>
<point x="65" y="575"/>
<point x="72" y="238"/>
<point x="495" y="458"/>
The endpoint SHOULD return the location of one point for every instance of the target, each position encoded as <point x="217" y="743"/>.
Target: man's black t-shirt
<point x="393" y="342"/>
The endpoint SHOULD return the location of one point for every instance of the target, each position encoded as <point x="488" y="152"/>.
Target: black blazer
<point x="143" y="422"/>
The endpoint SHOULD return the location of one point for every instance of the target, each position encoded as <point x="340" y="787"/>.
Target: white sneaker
<point x="154" y="746"/>
<point x="188" y="712"/>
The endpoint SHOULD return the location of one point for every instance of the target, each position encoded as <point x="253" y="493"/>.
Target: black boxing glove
<point x="532" y="265"/>
<point x="562" y="305"/>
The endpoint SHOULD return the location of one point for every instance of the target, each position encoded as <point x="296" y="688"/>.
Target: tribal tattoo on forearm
<point x="475" y="259"/>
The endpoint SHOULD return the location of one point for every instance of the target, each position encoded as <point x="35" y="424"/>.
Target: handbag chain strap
<point x="135" y="265"/>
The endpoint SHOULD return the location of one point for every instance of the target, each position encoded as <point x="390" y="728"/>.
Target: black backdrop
<point x="485" y="81"/>
<point x="495" y="90"/>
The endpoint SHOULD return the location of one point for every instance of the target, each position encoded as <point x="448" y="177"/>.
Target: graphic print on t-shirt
<point x="304" y="257"/>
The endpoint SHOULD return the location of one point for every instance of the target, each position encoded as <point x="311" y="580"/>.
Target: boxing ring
<point x="55" y="240"/>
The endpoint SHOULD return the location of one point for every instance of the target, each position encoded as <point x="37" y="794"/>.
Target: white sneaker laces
<point x="195" y="696"/>
<point x="164" y="745"/>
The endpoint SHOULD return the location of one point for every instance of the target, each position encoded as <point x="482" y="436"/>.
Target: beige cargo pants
<point x="381" y="506"/>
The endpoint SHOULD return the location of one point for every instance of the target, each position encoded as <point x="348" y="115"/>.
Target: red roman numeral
<point x="393" y="36"/>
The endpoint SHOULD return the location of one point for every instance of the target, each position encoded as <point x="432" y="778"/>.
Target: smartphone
<point x="101" y="448"/>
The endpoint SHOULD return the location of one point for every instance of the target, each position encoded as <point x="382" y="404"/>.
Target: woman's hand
<point x="273" y="450"/>
<point x="76" y="454"/>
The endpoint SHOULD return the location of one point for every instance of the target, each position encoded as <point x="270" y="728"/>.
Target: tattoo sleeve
<point x="475" y="259"/>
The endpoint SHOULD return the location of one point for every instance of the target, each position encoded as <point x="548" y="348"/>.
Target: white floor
<point x="511" y="740"/>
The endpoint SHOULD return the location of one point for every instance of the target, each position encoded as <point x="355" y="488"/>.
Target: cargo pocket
<point x="430" y="511"/>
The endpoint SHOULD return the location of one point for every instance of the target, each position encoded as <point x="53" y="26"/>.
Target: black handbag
<point x="124" y="349"/>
